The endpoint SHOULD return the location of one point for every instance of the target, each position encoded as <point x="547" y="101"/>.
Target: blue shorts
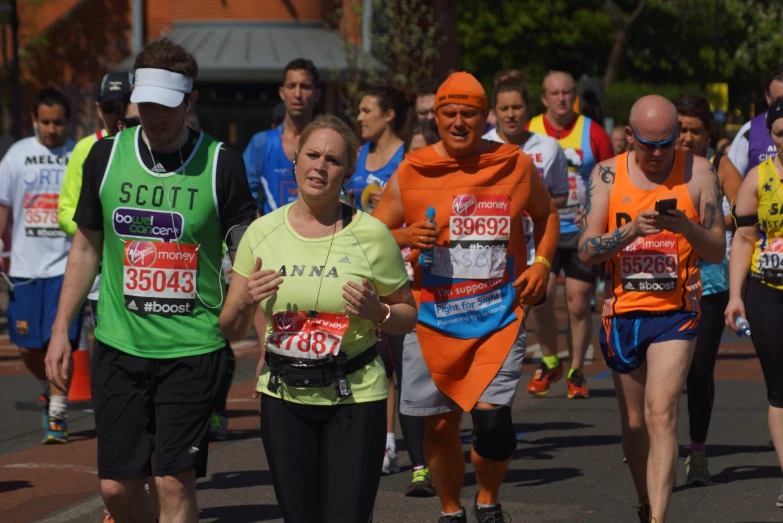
<point x="32" y="307"/>
<point x="626" y="338"/>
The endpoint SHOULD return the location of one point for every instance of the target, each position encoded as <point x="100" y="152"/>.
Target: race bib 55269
<point x="649" y="264"/>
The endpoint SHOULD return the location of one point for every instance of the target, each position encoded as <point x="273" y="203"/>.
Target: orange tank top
<point x="469" y="314"/>
<point x="659" y="272"/>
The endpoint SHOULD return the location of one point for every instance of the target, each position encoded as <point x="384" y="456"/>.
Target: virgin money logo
<point x="141" y="254"/>
<point x="464" y="205"/>
<point x="148" y="224"/>
<point x="775" y="245"/>
<point x="289" y="321"/>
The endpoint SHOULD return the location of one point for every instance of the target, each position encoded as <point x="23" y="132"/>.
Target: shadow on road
<point x="731" y="474"/>
<point x="240" y="514"/>
<point x="239" y="479"/>
<point x="532" y="478"/>
<point x="552" y="425"/>
<point x="728" y="450"/>
<point x="544" y="447"/>
<point x="10" y="486"/>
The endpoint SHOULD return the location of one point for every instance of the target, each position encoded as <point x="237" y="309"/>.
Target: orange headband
<point x="461" y="88"/>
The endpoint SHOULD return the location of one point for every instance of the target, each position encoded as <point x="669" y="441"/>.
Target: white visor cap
<point x="159" y="86"/>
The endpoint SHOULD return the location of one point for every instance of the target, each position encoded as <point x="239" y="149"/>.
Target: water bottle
<point x="427" y="256"/>
<point x="741" y="326"/>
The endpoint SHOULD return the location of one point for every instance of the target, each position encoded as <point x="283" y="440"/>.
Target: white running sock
<point x="391" y="442"/>
<point x="58" y="407"/>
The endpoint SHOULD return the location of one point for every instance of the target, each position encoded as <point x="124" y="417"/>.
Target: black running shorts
<point x="566" y="258"/>
<point x="145" y="406"/>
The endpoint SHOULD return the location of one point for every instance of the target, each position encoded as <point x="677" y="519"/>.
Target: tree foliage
<point x="406" y="37"/>
<point x="671" y="41"/>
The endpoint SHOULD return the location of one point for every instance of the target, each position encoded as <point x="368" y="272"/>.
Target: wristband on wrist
<point x="543" y="260"/>
<point x="388" y="315"/>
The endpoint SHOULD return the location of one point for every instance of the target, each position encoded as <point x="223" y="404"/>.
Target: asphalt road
<point x="567" y="467"/>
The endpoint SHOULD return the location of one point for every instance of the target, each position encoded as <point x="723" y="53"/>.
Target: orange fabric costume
<point x="469" y="314"/>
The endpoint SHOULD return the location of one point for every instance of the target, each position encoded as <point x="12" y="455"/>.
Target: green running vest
<point x="162" y="254"/>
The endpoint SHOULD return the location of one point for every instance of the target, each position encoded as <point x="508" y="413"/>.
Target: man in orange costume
<point x="466" y="353"/>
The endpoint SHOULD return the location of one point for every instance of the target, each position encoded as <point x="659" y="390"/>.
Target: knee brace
<point x="493" y="433"/>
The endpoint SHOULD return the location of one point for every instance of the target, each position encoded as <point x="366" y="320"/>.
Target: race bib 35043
<point x="160" y="278"/>
<point x="40" y="215"/>
<point x="649" y="264"/>
<point x="297" y="334"/>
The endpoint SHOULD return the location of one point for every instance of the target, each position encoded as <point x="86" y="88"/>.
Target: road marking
<point x="55" y="466"/>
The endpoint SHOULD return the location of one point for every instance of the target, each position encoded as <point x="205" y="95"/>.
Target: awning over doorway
<point x="259" y="51"/>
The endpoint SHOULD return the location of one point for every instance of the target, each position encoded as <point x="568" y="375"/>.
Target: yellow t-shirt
<point x="767" y="258"/>
<point x="72" y="183"/>
<point x="363" y="249"/>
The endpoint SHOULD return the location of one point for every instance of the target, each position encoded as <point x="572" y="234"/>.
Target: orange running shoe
<point x="577" y="386"/>
<point x="543" y="378"/>
<point x="107" y="518"/>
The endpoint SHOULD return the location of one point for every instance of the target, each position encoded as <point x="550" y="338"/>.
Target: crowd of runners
<point x="389" y="274"/>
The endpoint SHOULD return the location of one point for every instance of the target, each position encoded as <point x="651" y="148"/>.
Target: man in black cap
<point x="116" y="113"/>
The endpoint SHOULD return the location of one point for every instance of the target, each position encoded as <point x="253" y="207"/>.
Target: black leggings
<point x="226" y="379"/>
<point x="412" y="426"/>
<point x="325" y="460"/>
<point x="764" y="307"/>
<point x="701" y="382"/>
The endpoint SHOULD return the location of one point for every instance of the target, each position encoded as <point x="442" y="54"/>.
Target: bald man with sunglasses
<point x="650" y="215"/>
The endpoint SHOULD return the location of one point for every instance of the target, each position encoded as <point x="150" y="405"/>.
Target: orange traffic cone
<point x="80" y="382"/>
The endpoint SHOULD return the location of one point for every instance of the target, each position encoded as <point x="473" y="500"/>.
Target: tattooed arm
<point x="595" y="247"/>
<point x="709" y="240"/>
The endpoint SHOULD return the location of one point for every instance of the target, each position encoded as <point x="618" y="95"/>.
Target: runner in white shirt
<point x="511" y="107"/>
<point x="752" y="145"/>
<point x="31" y="174"/>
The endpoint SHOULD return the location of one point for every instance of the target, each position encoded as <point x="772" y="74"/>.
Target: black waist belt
<point x="768" y="277"/>
<point x="304" y="373"/>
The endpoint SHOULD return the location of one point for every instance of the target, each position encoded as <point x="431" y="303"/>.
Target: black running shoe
<point x="459" y="518"/>
<point x="491" y="514"/>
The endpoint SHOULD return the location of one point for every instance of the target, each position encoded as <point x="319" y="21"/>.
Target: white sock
<point x="391" y="443"/>
<point x="44" y="386"/>
<point x="58" y="407"/>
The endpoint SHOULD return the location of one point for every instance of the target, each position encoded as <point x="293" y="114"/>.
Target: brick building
<point x="241" y="46"/>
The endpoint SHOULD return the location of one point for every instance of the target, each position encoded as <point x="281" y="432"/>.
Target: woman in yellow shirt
<point x="327" y="276"/>
<point x="757" y="250"/>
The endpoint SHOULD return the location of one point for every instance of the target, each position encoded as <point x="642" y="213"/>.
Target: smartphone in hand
<point x="664" y="206"/>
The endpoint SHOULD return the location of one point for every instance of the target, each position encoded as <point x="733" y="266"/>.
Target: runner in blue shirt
<point x="381" y="120"/>
<point x="269" y="155"/>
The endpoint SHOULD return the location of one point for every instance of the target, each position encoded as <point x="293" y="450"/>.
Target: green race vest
<point x="162" y="253"/>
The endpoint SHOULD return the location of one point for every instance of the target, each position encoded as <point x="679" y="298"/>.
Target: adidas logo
<point x="629" y="285"/>
<point x="344" y="259"/>
<point x="158" y="168"/>
<point x="132" y="306"/>
<point x="626" y="200"/>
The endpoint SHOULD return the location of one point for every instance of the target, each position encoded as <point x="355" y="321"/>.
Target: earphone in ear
<point x="35" y="128"/>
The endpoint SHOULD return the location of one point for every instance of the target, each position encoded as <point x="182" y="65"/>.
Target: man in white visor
<point x="156" y="203"/>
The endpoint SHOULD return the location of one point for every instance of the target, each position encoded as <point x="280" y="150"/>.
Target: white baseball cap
<point x="160" y="86"/>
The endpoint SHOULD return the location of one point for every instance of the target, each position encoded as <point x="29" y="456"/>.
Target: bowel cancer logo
<point x="464" y="205"/>
<point x="141" y="254"/>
